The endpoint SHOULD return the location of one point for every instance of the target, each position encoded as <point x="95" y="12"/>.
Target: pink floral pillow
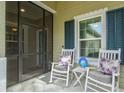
<point x="108" y="66"/>
<point x="65" y="60"/>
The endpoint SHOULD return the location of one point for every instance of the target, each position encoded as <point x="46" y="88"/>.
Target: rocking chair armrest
<point x="70" y="65"/>
<point x="54" y="63"/>
<point x="116" y="74"/>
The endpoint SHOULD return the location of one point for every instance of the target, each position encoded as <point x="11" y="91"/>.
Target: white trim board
<point x="39" y="3"/>
<point x="91" y="14"/>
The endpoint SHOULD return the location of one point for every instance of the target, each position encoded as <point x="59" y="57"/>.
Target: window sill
<point x="92" y="61"/>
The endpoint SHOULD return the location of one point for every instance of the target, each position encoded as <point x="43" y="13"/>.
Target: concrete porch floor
<point x="41" y="84"/>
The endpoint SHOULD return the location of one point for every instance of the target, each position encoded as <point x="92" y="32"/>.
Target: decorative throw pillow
<point x="65" y="60"/>
<point x="108" y="66"/>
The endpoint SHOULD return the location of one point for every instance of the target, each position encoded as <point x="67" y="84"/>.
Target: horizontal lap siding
<point x="122" y="77"/>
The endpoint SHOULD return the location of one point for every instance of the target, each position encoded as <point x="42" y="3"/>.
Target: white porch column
<point x="3" y="74"/>
<point x="2" y="48"/>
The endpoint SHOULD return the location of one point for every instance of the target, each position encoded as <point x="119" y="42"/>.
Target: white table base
<point x="81" y="71"/>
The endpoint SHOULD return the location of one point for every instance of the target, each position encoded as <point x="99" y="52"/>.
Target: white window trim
<point x="100" y="12"/>
<point x="86" y="39"/>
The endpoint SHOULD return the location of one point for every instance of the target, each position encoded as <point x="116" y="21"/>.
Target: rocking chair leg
<point x="113" y="84"/>
<point x="67" y="77"/>
<point x="67" y="80"/>
<point x="112" y="88"/>
<point x="51" y="78"/>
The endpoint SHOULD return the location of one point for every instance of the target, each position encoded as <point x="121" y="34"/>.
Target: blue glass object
<point x="83" y="62"/>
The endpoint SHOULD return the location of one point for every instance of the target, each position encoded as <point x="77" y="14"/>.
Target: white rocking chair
<point x="58" y="72"/>
<point x="98" y="81"/>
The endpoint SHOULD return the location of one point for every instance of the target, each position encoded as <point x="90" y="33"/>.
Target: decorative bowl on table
<point x="83" y="62"/>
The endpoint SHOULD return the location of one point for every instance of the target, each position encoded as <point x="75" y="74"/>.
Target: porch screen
<point x="115" y="30"/>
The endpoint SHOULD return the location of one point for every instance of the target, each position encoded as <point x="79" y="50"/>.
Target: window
<point x="90" y="37"/>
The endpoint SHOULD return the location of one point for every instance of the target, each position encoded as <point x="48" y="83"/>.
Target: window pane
<point x="82" y="24"/>
<point x="89" y="31"/>
<point x="83" y="33"/>
<point x="82" y="29"/>
<point x="90" y="48"/>
<point x="91" y="28"/>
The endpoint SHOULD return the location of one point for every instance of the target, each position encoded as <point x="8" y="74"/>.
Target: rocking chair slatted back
<point x="68" y="52"/>
<point x="109" y="54"/>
